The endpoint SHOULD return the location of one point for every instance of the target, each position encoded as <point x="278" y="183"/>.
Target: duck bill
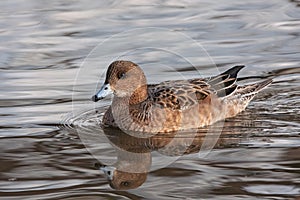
<point x="108" y="171"/>
<point x="103" y="92"/>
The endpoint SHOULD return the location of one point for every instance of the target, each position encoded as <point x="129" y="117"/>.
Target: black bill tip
<point x="95" y="98"/>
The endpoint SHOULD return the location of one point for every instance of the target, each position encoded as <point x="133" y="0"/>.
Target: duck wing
<point x="184" y="94"/>
<point x="179" y="94"/>
<point x="224" y="84"/>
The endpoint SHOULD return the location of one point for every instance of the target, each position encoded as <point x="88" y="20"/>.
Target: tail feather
<point x="224" y="83"/>
<point x="263" y="84"/>
<point x="238" y="101"/>
<point x="249" y="91"/>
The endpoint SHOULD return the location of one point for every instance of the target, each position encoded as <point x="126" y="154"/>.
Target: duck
<point x="173" y="105"/>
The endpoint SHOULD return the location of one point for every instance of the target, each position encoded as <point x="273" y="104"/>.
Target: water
<point x="48" y="120"/>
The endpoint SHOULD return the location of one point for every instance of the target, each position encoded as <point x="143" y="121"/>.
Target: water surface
<point x="45" y="110"/>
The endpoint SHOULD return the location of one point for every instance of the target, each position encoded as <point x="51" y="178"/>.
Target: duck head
<point x="124" y="79"/>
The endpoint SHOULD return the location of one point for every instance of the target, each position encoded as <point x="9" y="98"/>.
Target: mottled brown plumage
<point x="173" y="105"/>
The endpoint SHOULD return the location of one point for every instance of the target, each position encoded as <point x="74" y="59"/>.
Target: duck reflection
<point x="129" y="172"/>
<point x="134" y="158"/>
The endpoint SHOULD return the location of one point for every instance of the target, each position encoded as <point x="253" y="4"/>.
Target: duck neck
<point x="139" y="95"/>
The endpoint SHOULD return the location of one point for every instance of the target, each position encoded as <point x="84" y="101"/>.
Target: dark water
<point x="52" y="58"/>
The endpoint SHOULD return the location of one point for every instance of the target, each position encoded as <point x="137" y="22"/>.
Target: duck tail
<point x="249" y="91"/>
<point x="238" y="101"/>
<point x="263" y="84"/>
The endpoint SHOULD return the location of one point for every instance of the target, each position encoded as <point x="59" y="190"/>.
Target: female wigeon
<point x="171" y="105"/>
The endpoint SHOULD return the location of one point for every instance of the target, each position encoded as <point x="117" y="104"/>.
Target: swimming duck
<point x="171" y="105"/>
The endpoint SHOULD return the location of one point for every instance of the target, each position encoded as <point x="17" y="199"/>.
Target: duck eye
<point x="121" y="75"/>
<point x="125" y="183"/>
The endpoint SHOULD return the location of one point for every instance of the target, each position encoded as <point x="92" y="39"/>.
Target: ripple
<point x="272" y="189"/>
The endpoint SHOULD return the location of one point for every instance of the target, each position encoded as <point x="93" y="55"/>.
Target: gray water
<point x="53" y="56"/>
